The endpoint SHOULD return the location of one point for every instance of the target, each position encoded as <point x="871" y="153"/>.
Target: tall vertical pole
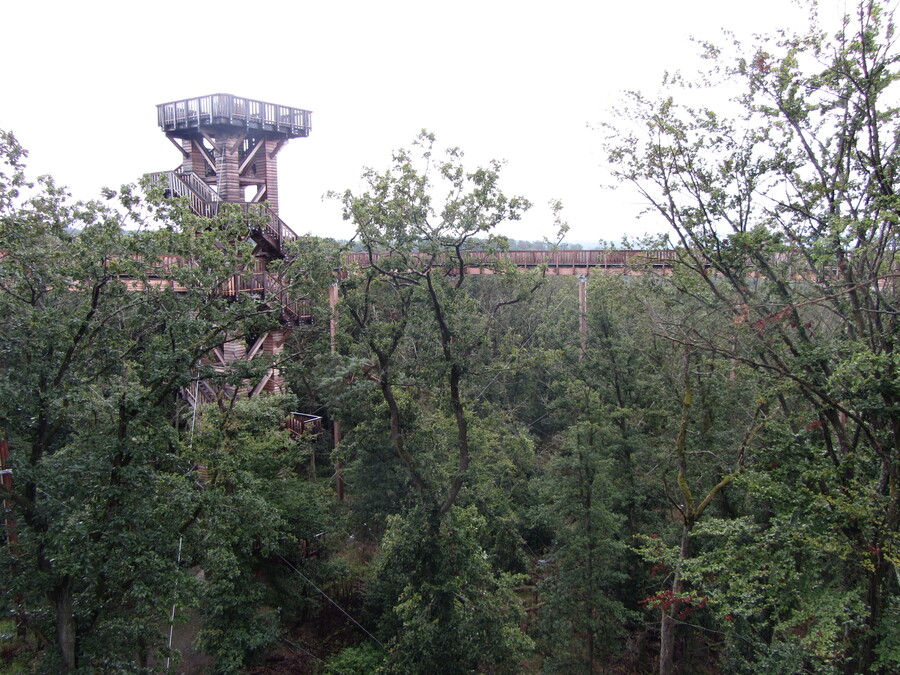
<point x="12" y="533"/>
<point x="6" y="479"/>
<point x="339" y="466"/>
<point x="582" y="314"/>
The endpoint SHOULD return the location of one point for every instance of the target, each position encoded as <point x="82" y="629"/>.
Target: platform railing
<point x="266" y="287"/>
<point x="301" y="423"/>
<point x="233" y="111"/>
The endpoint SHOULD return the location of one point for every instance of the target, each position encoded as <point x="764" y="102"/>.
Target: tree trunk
<point x="587" y="490"/>
<point x="667" y="623"/>
<point x="61" y="597"/>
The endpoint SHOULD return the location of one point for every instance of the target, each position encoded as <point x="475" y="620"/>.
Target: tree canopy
<point x="707" y="481"/>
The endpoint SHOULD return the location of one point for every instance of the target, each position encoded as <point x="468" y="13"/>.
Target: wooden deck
<point x="226" y="110"/>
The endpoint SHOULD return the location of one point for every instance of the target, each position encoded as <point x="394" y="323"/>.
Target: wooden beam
<point x="205" y="155"/>
<point x="178" y="145"/>
<point x="262" y="383"/>
<point x="256" y="346"/>
<point x="238" y="141"/>
<point x="250" y="157"/>
<point x="260" y="194"/>
<point x="211" y="393"/>
<point x="582" y="314"/>
<point x="277" y="147"/>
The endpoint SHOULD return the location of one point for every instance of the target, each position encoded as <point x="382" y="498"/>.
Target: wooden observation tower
<point x="229" y="147"/>
<point x="232" y="143"/>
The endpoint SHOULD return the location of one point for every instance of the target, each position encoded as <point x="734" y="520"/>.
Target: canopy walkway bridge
<point x="581" y="263"/>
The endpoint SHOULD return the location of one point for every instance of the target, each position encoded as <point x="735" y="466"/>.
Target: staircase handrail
<point x="205" y="202"/>
<point x="267" y="287"/>
<point x="198" y="185"/>
<point x="274" y="228"/>
<point x="179" y="187"/>
<point x="292" y="306"/>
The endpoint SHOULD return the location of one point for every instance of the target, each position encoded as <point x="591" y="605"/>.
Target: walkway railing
<point x="553" y="259"/>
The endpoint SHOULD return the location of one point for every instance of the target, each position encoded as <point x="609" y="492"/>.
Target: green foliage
<point x="451" y="612"/>
<point x="256" y="505"/>
<point x="785" y="210"/>
<point x="361" y="660"/>
<point x="583" y="618"/>
<point x="96" y="346"/>
<point x="718" y="457"/>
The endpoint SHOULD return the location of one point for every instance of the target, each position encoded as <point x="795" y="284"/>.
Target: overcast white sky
<point x="520" y="81"/>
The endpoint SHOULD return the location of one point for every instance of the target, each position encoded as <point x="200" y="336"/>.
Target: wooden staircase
<point x="267" y="230"/>
<point x="270" y="235"/>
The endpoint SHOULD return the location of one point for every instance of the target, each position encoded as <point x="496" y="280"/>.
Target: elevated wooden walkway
<point x="567" y="262"/>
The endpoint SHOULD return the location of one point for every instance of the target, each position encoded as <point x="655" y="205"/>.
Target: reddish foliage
<point x="668" y="598"/>
<point x="760" y="326"/>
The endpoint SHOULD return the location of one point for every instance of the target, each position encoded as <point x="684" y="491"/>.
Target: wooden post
<point x="228" y="177"/>
<point x="332" y="304"/>
<point x="339" y="466"/>
<point x="12" y="533"/>
<point x="582" y="314"/>
<point x="6" y="479"/>
<point x="270" y="172"/>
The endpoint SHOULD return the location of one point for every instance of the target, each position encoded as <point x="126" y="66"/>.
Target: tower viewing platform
<point x="230" y="143"/>
<point x="226" y="110"/>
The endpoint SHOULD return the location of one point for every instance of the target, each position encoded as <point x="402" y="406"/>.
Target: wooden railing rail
<point x="582" y="261"/>
<point x="568" y="258"/>
<point x="267" y="287"/>
<point x="205" y="202"/>
<point x="273" y="227"/>
<point x="233" y="110"/>
<point x="162" y="265"/>
<point x="301" y="423"/>
<point x="198" y="185"/>
<point x="299" y="310"/>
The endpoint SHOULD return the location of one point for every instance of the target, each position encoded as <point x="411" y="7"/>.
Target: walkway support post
<point x="582" y="314"/>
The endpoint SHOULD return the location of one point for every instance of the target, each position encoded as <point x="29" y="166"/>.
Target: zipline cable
<point x="325" y="595"/>
<point x="181" y="537"/>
